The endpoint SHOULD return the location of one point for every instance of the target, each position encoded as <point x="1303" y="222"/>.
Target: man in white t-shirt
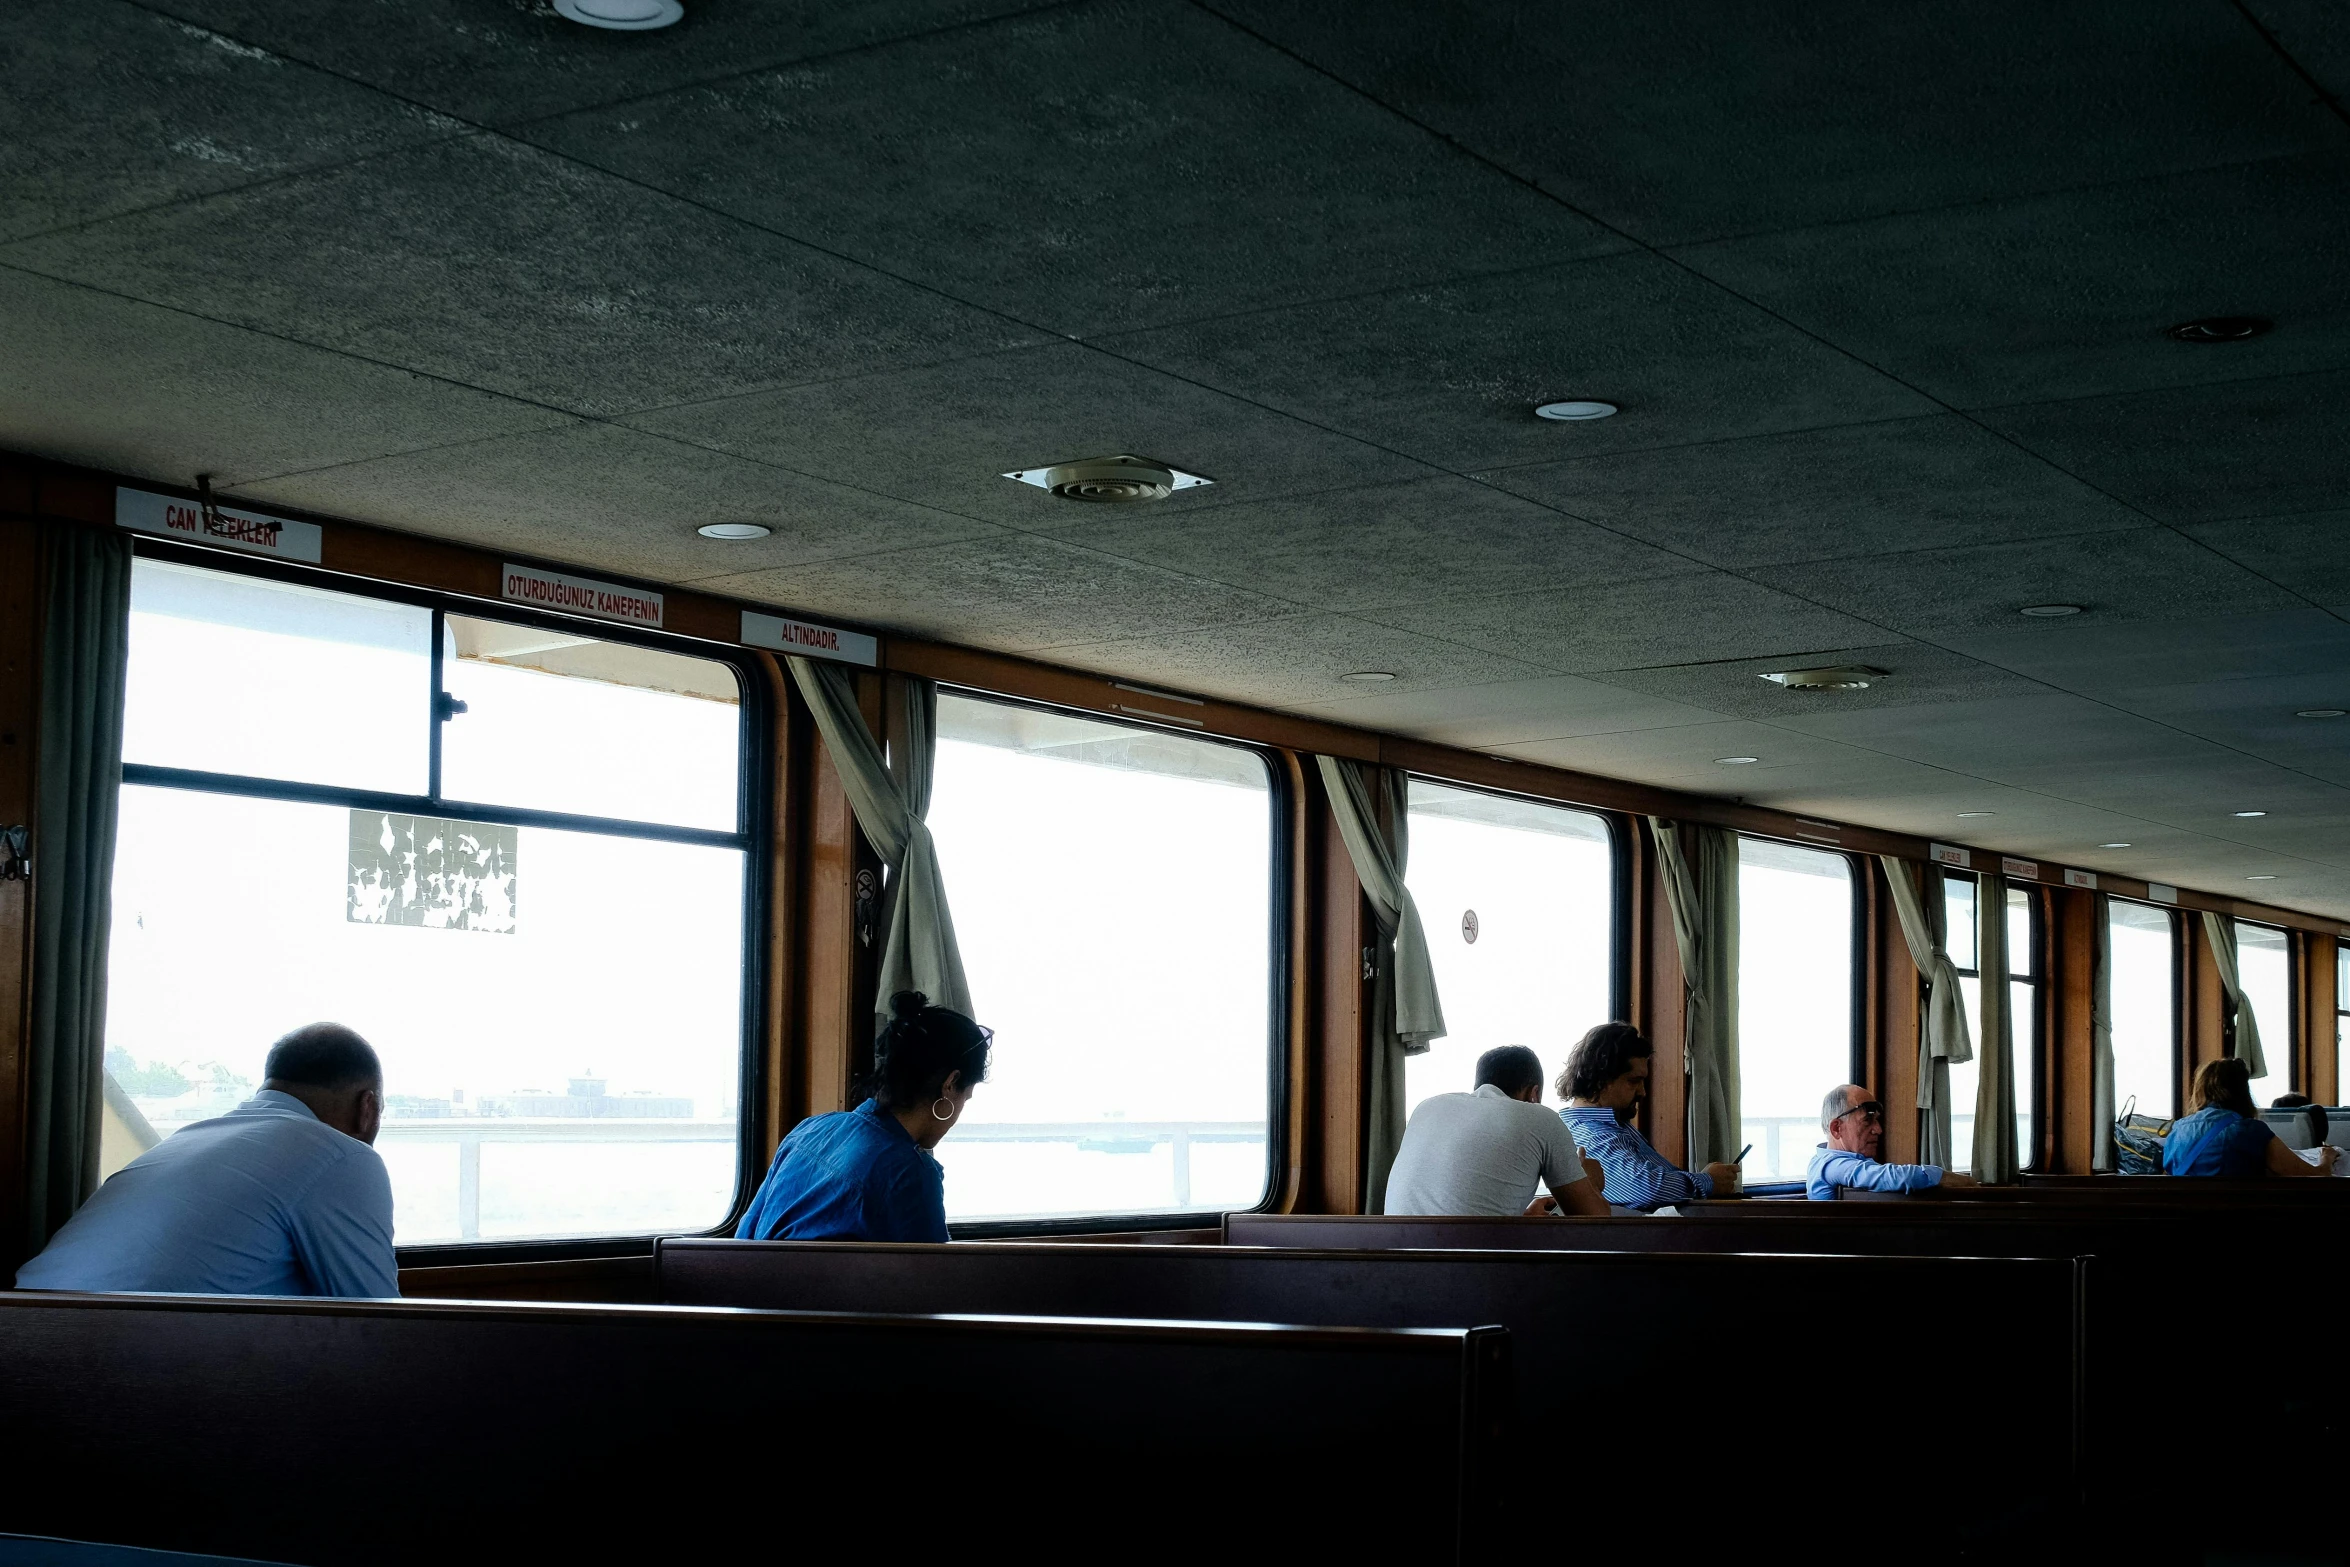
<point x="1480" y="1154"/>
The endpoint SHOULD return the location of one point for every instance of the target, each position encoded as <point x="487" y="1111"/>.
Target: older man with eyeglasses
<point x="1855" y="1124"/>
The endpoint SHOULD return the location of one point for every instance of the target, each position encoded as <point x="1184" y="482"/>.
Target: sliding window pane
<point x="234" y="674"/>
<point x="1112" y="893"/>
<point x="559" y="1013"/>
<point x="1794" y="998"/>
<point x="555" y="721"/>
<point x="2341" y="1019"/>
<point x="1519" y="902"/>
<point x="2143" y="990"/>
<point x="2264" y="969"/>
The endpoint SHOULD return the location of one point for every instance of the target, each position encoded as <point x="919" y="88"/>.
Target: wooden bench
<point x="1640" y="1375"/>
<point x="2150" y="1277"/>
<point x="388" y="1431"/>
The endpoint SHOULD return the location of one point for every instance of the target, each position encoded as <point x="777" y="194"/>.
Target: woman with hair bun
<point x="867" y="1174"/>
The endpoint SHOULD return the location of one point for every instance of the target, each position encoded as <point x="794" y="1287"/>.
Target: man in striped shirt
<point x="1605" y="1081"/>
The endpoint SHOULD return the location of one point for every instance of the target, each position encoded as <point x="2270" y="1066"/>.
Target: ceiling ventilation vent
<point x="1116" y="480"/>
<point x="1844" y="677"/>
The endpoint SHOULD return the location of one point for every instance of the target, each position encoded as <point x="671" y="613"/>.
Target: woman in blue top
<point x="2226" y="1136"/>
<point x="867" y="1174"/>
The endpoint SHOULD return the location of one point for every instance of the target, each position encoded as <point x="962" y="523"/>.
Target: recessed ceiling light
<point x="628" y="16"/>
<point x="2049" y="611"/>
<point x="2221" y="329"/>
<point x="1575" y="412"/>
<point x="2323" y="712"/>
<point x="2251" y="813"/>
<point x="1736" y="761"/>
<point x="1852" y="677"/>
<point x="2113" y="846"/>
<point x="1124" y="478"/>
<point x="1370" y="676"/>
<point x="2260" y="878"/>
<point x="734" y="530"/>
<point x="1978" y="813"/>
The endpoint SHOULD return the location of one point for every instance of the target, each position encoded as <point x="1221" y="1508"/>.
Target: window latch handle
<point x="446" y="707"/>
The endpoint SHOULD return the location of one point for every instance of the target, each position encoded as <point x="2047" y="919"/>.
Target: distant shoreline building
<point x="587" y="1099"/>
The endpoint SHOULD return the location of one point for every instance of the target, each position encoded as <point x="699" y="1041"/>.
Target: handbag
<point x="2137" y="1141"/>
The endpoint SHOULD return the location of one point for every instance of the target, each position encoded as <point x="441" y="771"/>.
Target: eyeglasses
<point x="1873" y="1110"/>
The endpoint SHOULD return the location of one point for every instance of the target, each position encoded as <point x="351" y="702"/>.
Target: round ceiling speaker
<point x="1115" y="480"/>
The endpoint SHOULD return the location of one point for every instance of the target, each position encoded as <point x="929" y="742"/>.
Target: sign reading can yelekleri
<point x="170" y="517"/>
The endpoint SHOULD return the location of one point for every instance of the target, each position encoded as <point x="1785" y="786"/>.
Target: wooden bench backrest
<point x="1644" y="1366"/>
<point x="365" y="1432"/>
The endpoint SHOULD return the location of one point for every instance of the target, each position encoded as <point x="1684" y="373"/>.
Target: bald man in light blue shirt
<point x="284" y="1195"/>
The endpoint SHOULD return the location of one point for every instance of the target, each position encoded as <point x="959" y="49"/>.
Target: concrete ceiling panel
<point x="1286" y="663"/>
<point x="490" y="263"/>
<point x="1009" y="592"/>
<point x="1729" y="117"/>
<point x="1088" y="168"/>
<point x="1689" y="757"/>
<point x="1916" y="674"/>
<point x="92" y="378"/>
<point x="1508" y="712"/>
<point x="1452" y="373"/>
<point x="110" y="108"/>
<point x="506" y="63"/>
<point x="2071" y="295"/>
<point x="1387" y="545"/>
<point x="2147" y="574"/>
<point x="617" y="499"/>
<point x="1629" y="625"/>
<point x="1825" y="494"/>
<point x="2310" y="553"/>
<point x="2256" y="448"/>
<point x="945" y="435"/>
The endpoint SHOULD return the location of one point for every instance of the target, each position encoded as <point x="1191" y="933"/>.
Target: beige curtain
<point x="1372" y="808"/>
<point x="890" y="796"/>
<point x="2101" y="1105"/>
<point x="1699" y="868"/>
<point x="1942" y="1040"/>
<point x="2220" y="931"/>
<point x="1995" y="1155"/>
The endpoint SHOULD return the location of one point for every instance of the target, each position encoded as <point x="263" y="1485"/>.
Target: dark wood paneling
<point x="2068" y="1043"/>
<point x="2320" y="1019"/>
<point x="20" y="620"/>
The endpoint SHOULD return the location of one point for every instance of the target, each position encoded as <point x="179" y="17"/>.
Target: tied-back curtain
<point x="1699" y="868"/>
<point x="1942" y="1041"/>
<point x="2220" y="931"/>
<point x="1371" y="805"/>
<point x="78" y="786"/>
<point x="1995" y="1160"/>
<point x="2101" y="1105"/>
<point x="890" y="797"/>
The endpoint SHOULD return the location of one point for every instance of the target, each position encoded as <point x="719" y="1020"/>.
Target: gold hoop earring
<point x="942" y="1100"/>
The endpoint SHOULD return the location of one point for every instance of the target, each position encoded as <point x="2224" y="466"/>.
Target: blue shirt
<point x="1637" y="1175"/>
<point x="2217" y="1141"/>
<point x="853" y="1175"/>
<point x="1834" y="1167"/>
<point x="265" y="1200"/>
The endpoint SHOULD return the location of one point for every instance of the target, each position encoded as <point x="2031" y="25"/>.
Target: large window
<point x="1519" y="903"/>
<point x="2264" y="968"/>
<point x="2143" y="995"/>
<point x="532" y="904"/>
<point x="1112" y="890"/>
<point x="1963" y="942"/>
<point x="1795" y="919"/>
